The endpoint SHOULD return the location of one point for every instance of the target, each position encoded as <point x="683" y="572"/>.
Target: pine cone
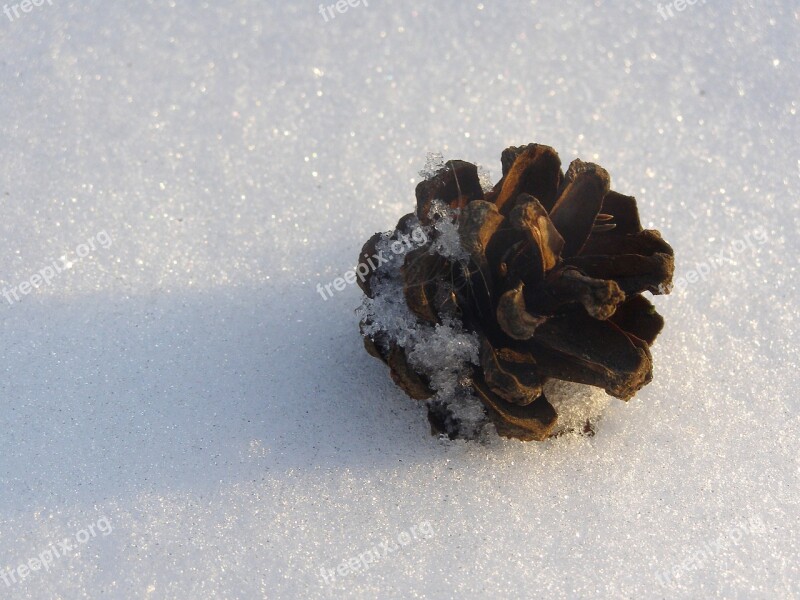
<point x="544" y="271"/>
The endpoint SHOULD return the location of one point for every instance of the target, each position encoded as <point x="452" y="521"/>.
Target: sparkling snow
<point x="187" y="385"/>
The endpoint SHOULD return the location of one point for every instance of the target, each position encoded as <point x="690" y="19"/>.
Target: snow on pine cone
<point x="483" y="295"/>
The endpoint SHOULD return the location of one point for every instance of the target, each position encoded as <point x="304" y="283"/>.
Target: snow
<point x="446" y="241"/>
<point x="187" y="384"/>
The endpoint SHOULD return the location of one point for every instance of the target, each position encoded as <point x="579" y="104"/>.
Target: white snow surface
<point x="202" y="166"/>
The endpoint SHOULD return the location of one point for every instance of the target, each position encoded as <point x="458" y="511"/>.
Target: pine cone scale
<point x="534" y="169"/>
<point x="578" y="348"/>
<point x="637" y="316"/>
<point x="579" y="204"/>
<point x="534" y="421"/>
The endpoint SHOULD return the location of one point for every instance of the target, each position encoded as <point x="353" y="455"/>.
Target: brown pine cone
<point x="489" y="293"/>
